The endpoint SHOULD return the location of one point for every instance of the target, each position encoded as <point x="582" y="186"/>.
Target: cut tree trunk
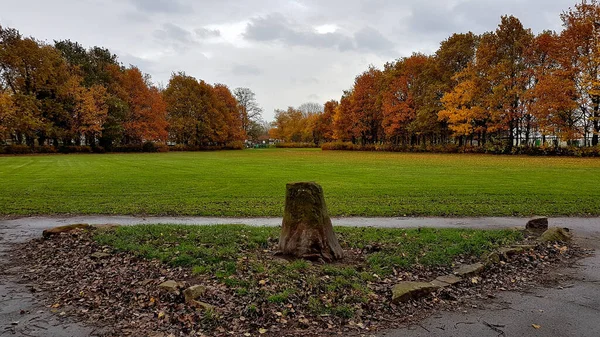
<point x="306" y="230"/>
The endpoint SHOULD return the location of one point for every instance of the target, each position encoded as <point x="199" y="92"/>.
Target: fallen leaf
<point x="262" y="331"/>
<point x="536" y="326"/>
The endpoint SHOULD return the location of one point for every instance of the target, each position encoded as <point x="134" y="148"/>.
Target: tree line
<point x="506" y="88"/>
<point x="66" y="95"/>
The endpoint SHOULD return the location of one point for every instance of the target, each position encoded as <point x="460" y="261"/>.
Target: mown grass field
<point x="252" y="183"/>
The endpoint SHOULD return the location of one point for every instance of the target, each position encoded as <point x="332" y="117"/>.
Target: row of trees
<point x="64" y="94"/>
<point x="508" y="86"/>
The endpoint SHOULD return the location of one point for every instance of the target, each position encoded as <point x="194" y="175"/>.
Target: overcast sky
<point x="287" y="52"/>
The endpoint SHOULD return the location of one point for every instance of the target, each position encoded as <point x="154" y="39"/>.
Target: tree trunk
<point x="306" y="231"/>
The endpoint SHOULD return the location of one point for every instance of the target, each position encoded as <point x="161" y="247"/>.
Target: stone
<point x="194" y="292"/>
<point x="491" y="258"/>
<point x="469" y="269"/>
<point x="556" y="234"/>
<point x="449" y="279"/>
<point x="64" y="229"/>
<point x="202" y="306"/>
<point x="170" y="286"/>
<point x="537" y="224"/>
<point x="99" y="255"/>
<point x="306" y="230"/>
<point x="406" y="291"/>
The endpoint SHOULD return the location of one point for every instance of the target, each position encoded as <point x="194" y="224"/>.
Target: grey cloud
<point x="277" y="28"/>
<point x="173" y="33"/>
<point x="161" y="6"/>
<point x="431" y="19"/>
<point x="370" y="39"/>
<point x="245" y="70"/>
<point x="205" y="33"/>
<point x="304" y="81"/>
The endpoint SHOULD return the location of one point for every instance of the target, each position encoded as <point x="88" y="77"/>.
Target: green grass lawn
<point x="252" y="183"/>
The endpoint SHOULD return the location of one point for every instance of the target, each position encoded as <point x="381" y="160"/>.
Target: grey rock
<point x="405" y="291"/>
<point x="537" y="224"/>
<point x="491" y="258"/>
<point x="556" y="234"/>
<point x="449" y="279"/>
<point x="99" y="255"/>
<point x="170" y="286"/>
<point x="470" y="269"/>
<point x="193" y="293"/>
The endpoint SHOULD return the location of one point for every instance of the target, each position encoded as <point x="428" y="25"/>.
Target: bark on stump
<point x="306" y="231"/>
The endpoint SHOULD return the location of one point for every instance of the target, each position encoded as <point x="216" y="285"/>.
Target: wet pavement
<point x="20" y="313"/>
<point x="571" y="309"/>
<point x="576" y="223"/>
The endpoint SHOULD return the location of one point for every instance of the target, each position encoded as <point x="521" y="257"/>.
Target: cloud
<point x="246" y="70"/>
<point x="174" y="35"/>
<point x="370" y="39"/>
<point x="206" y="33"/>
<point x="277" y="28"/>
<point x="161" y="6"/>
<point x="428" y="19"/>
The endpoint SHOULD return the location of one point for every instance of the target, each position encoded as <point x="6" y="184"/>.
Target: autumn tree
<point x="228" y="107"/>
<point x="438" y="78"/>
<point x="403" y="96"/>
<point x="580" y="39"/>
<point x="7" y="113"/>
<point x="291" y="125"/>
<point x="464" y="107"/>
<point x="342" y="124"/>
<point x="249" y="109"/>
<point x="494" y="86"/>
<point x="145" y="118"/>
<point x="35" y="74"/>
<point x="501" y="59"/>
<point x="87" y="110"/>
<point x="99" y="67"/>
<point x="200" y="114"/>
<point x="551" y="97"/>
<point x="365" y="113"/>
<point x="323" y="123"/>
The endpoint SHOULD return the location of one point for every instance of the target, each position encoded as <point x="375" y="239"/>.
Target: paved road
<point x="585" y="224"/>
<point x="571" y="311"/>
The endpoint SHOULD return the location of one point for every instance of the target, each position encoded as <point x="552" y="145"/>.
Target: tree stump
<point x="306" y="230"/>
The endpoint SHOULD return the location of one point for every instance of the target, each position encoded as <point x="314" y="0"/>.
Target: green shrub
<point x="295" y="145"/>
